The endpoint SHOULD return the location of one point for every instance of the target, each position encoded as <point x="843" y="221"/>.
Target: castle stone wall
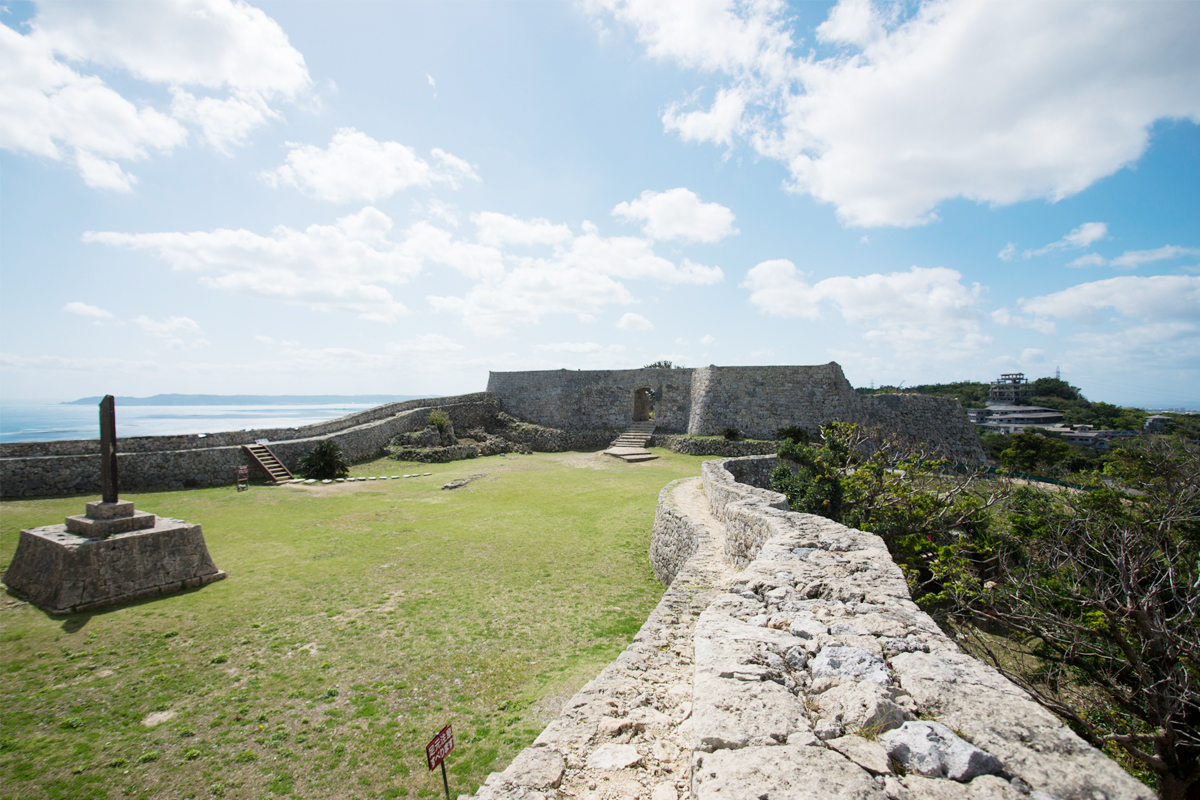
<point x="361" y="437"/>
<point x="757" y="401"/>
<point x="594" y="399"/>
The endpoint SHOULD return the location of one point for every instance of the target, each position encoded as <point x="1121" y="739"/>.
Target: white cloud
<point x="340" y="266"/>
<point x="171" y="326"/>
<point x="677" y="214"/>
<point x="993" y="102"/>
<point x="920" y="308"/>
<point x="172" y="330"/>
<point x="708" y="339"/>
<point x="349" y="265"/>
<point x="52" y="106"/>
<point x="426" y="343"/>
<point x="1156" y="298"/>
<point x="498" y="230"/>
<point x="1008" y="252"/>
<point x="1088" y="260"/>
<point x="355" y="167"/>
<point x="1132" y="259"/>
<point x="1002" y="316"/>
<point x="432" y="83"/>
<point x="1080" y="237"/>
<point x="85" y="310"/>
<point x="570" y="347"/>
<point x="634" y="322"/>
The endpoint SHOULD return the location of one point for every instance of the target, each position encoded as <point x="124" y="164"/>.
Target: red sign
<point x="440" y="747"/>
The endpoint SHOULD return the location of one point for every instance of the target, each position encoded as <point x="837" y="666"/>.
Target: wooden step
<point x="270" y="463"/>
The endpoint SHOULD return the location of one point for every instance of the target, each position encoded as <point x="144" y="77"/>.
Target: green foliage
<point x="1104" y="416"/>
<point x="1030" y="451"/>
<point x="662" y="365"/>
<point x="732" y="434"/>
<point x="1095" y="592"/>
<point x="325" y="462"/>
<point x="1053" y="387"/>
<point x="796" y="433"/>
<point x="439" y="419"/>
<point x="1186" y="426"/>
<point x="971" y="394"/>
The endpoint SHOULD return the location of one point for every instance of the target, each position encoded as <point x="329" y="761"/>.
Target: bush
<point x="732" y="434"/>
<point x="325" y="462"/>
<point x="796" y="433"/>
<point x="439" y="419"/>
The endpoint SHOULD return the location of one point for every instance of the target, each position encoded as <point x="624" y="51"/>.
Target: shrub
<point x="732" y="434"/>
<point x="325" y="462"/>
<point x="796" y="433"/>
<point x="439" y="419"/>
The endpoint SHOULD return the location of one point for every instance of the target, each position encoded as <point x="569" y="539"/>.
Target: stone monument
<point x="112" y="554"/>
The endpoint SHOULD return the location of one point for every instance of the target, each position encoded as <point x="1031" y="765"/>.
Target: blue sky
<point x="398" y="197"/>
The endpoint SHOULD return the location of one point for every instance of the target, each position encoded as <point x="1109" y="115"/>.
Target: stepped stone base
<point x="64" y="572"/>
<point x="631" y="454"/>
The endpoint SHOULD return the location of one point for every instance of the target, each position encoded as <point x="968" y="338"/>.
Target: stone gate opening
<point x="643" y="405"/>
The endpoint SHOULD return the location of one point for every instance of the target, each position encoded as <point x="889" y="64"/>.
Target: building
<point x="1013" y="419"/>
<point x="1010" y="388"/>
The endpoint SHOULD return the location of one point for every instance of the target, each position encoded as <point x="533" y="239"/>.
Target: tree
<point x="1053" y="387"/>
<point x="1102" y="589"/>
<point x="661" y="365"/>
<point x="1029" y="451"/>
<point x="325" y="462"/>
<point x="917" y="504"/>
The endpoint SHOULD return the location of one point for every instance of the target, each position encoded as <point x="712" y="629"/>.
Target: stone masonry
<point x="757" y="401"/>
<point x="787" y="660"/>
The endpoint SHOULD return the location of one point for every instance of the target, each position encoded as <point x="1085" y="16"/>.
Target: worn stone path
<point x="638" y="710"/>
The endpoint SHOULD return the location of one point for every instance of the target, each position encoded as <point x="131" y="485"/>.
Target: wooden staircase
<point x="631" y="445"/>
<point x="263" y="456"/>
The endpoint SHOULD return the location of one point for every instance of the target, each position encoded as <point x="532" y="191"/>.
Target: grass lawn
<point x="357" y="620"/>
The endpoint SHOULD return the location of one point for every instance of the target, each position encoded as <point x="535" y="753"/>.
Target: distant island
<point x="249" y="399"/>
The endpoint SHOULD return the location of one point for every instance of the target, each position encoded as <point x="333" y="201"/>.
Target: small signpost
<point x="243" y="481"/>
<point x="436" y="751"/>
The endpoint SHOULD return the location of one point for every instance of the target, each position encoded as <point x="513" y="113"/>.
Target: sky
<point x="204" y="196"/>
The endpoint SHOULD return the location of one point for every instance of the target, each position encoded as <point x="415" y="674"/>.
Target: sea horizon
<point x="57" y="420"/>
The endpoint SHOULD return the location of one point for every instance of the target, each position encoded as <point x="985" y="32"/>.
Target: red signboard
<point x="440" y="747"/>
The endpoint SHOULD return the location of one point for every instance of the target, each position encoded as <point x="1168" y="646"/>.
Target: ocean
<point x="32" y="421"/>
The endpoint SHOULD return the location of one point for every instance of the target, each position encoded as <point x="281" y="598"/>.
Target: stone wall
<point x="64" y="468"/>
<point x="810" y="673"/>
<point x="757" y="401"/>
<point x="816" y="665"/>
<point x="712" y="446"/>
<point x="594" y="399"/>
<point x="675" y="539"/>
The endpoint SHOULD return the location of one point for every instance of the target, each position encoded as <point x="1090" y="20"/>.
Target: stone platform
<point x="64" y="572"/>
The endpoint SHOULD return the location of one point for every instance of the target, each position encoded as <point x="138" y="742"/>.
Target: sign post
<point x="436" y="751"/>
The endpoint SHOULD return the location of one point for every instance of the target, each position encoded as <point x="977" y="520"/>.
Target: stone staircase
<point x="269" y="462"/>
<point x="630" y="446"/>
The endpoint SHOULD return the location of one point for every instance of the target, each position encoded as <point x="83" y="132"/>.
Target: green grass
<point x="356" y="620"/>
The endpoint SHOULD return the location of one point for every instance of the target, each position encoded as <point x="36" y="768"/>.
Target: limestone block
<point x="861" y="705"/>
<point x="613" y="756"/>
<point x="795" y="772"/>
<point x="933" y="750"/>
<point x="63" y="572"/>
<point x="998" y="717"/>
<point x="870" y="755"/>
<point x="850" y="662"/>
<point x="537" y="768"/>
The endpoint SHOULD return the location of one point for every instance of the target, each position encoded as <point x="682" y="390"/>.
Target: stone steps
<point x="630" y="446"/>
